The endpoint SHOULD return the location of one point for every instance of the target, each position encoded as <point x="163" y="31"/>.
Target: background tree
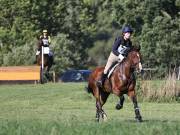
<point x="83" y="31"/>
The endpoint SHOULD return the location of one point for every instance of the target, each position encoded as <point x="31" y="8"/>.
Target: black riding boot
<point x="102" y="80"/>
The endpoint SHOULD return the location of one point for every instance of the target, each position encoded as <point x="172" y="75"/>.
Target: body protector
<point x="123" y="50"/>
<point x="45" y="42"/>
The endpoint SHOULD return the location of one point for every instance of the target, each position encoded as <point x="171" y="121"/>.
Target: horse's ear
<point x="136" y="45"/>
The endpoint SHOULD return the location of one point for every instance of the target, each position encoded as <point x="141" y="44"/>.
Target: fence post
<point x="179" y="73"/>
<point x="54" y="76"/>
<point x="42" y="57"/>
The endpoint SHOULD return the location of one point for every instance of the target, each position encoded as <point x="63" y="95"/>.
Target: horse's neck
<point x="125" y="68"/>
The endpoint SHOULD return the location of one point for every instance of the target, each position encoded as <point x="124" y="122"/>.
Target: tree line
<point x="83" y="31"/>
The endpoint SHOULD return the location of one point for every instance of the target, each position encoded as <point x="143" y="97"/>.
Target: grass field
<point x="66" y="109"/>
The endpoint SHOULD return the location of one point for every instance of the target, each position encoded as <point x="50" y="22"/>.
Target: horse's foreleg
<point x="98" y="109"/>
<point x="47" y="72"/>
<point x="49" y="67"/>
<point x="132" y="95"/>
<point x="120" y="103"/>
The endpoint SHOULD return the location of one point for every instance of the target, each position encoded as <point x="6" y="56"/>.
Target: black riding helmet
<point x="127" y="29"/>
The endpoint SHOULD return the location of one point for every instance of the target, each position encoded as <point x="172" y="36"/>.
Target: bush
<point x="159" y="90"/>
<point x="21" y="55"/>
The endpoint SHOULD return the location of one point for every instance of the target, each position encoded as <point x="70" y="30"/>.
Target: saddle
<point x="111" y="69"/>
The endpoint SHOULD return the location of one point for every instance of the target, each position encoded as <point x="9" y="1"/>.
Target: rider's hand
<point x="121" y="57"/>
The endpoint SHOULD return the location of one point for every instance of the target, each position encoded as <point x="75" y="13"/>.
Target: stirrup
<point x="100" y="83"/>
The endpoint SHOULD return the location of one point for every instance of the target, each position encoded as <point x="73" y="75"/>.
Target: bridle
<point x="137" y="64"/>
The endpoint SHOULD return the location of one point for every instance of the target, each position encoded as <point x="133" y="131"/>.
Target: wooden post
<point x="42" y="57"/>
<point x="54" y="76"/>
<point x="42" y="65"/>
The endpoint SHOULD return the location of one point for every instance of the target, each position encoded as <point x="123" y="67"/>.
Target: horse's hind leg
<point x="100" y="101"/>
<point x="103" y="97"/>
<point x="132" y="95"/>
<point x="119" y="105"/>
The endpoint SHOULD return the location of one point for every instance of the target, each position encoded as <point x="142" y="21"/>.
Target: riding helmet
<point x="127" y="29"/>
<point x="45" y="31"/>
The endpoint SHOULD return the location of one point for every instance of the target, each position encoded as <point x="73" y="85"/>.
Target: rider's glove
<point x="121" y="57"/>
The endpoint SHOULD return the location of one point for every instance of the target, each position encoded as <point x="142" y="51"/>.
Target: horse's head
<point x="134" y="57"/>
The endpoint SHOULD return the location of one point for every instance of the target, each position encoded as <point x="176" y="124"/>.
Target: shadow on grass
<point x="151" y="121"/>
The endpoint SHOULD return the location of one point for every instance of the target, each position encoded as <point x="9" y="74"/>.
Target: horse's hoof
<point x="104" y="116"/>
<point x="97" y="120"/>
<point x="139" y="119"/>
<point x="118" y="106"/>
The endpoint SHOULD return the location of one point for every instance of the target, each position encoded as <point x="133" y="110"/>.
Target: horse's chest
<point x="122" y="86"/>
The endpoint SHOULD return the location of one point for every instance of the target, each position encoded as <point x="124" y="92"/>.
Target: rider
<point x="120" y="49"/>
<point x="46" y="40"/>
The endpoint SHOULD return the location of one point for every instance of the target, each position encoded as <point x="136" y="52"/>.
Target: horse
<point x="46" y="60"/>
<point x="122" y="81"/>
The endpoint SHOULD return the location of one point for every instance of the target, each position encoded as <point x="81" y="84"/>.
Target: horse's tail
<point x="88" y="89"/>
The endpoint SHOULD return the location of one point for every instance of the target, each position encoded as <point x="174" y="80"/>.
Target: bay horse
<point x="122" y="81"/>
<point x="46" y="60"/>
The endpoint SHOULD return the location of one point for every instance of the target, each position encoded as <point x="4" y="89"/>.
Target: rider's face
<point x="127" y="35"/>
<point x="44" y="34"/>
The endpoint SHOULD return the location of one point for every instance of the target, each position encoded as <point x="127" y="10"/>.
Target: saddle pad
<point x="112" y="69"/>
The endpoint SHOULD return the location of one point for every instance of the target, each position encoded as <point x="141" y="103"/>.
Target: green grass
<point x="55" y="109"/>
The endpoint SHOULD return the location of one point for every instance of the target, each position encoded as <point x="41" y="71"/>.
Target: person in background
<point x="46" y="41"/>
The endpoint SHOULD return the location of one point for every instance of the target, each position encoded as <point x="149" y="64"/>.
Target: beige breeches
<point x="112" y="58"/>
